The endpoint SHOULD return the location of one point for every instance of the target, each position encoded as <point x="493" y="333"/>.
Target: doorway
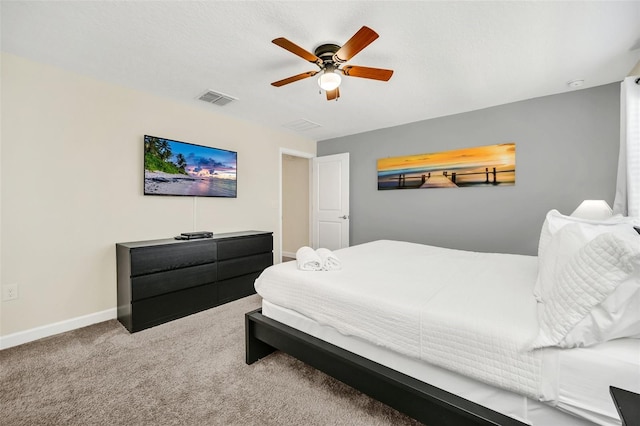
<point x="295" y="202"/>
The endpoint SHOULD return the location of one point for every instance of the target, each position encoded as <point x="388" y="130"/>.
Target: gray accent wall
<point x="566" y="152"/>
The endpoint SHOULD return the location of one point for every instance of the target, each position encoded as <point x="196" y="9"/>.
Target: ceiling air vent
<point x="216" y="98"/>
<point x="301" y="125"/>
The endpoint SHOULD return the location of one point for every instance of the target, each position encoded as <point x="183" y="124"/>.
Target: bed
<point x="458" y="337"/>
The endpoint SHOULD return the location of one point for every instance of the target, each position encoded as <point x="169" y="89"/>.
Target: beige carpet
<point x="186" y="372"/>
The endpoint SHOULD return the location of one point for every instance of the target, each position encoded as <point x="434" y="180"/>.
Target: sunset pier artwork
<point x="490" y="165"/>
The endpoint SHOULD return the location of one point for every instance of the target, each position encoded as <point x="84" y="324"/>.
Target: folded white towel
<point x="330" y="261"/>
<point x="308" y="259"/>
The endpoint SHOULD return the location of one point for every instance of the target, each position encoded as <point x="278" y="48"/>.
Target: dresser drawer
<point x="237" y="287"/>
<point x="244" y="265"/>
<point x="166" y="307"/>
<point x="164" y="282"/>
<point x="237" y="247"/>
<point x="147" y="260"/>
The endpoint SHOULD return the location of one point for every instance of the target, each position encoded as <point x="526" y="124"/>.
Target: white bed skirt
<point x="513" y="405"/>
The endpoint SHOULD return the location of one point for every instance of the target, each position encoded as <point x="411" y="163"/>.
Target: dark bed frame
<point x="421" y="401"/>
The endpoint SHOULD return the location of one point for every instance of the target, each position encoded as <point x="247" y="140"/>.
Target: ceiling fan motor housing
<point x="327" y="53"/>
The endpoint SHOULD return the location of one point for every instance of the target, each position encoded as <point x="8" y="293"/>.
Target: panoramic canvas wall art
<point x="490" y="165"/>
<point x="180" y="168"/>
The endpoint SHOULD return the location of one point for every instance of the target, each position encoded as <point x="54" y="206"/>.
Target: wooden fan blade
<point x="297" y="50"/>
<point x="366" y="72"/>
<point x="333" y="94"/>
<point x="359" y="41"/>
<point x="294" y="78"/>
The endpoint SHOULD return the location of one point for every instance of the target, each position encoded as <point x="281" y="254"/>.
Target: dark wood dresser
<point x="162" y="280"/>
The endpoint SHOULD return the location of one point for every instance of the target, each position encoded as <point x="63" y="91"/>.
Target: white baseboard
<point x="27" y="336"/>
<point x="288" y="254"/>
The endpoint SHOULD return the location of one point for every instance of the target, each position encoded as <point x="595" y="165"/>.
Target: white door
<point x="330" y="201"/>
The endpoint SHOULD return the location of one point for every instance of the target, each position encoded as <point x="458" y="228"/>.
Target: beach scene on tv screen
<point x="179" y="168"/>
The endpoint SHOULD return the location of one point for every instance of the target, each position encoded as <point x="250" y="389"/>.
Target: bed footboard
<point x="419" y="400"/>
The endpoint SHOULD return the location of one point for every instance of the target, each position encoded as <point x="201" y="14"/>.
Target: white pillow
<point x="615" y="318"/>
<point x="585" y="292"/>
<point x="561" y="248"/>
<point x="557" y="244"/>
<point x="554" y="221"/>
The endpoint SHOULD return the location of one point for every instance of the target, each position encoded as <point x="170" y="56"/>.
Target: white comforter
<point x="470" y="312"/>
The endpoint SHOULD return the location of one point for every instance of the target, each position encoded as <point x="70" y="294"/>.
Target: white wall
<point x="72" y="179"/>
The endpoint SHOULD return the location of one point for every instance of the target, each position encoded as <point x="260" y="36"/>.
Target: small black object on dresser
<point x="162" y="280"/>
<point x="194" y="235"/>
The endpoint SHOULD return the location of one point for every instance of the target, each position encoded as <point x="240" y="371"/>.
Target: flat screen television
<point x="180" y="168"/>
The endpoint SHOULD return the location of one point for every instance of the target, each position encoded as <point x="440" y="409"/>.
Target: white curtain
<point x="627" y="200"/>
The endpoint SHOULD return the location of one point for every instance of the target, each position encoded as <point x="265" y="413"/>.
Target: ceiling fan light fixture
<point x="329" y="80"/>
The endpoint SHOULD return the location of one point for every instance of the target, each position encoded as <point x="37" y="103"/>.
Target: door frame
<point x="301" y="154"/>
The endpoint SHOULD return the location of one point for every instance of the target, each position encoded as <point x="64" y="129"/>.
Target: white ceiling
<point x="449" y="57"/>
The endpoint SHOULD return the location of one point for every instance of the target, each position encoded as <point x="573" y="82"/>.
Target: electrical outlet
<point x="9" y="292"/>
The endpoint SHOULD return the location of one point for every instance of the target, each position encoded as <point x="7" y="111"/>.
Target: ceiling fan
<point x="330" y="59"/>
